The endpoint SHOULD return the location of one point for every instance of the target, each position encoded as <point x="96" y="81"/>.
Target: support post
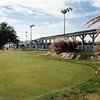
<point x="49" y="40"/>
<point x="93" y="39"/>
<point x="64" y="26"/>
<point x="73" y="38"/>
<point x="82" y="38"/>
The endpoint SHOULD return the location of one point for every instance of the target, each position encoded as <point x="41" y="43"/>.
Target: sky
<point x="46" y="16"/>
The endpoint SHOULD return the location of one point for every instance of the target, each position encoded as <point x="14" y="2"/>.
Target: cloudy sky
<point x="47" y="16"/>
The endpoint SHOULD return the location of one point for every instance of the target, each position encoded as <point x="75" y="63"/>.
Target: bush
<point x="62" y="45"/>
<point x="22" y="45"/>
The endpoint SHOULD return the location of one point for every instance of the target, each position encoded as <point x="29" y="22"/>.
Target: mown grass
<point x="79" y="92"/>
<point x="88" y="90"/>
<point x="33" y="75"/>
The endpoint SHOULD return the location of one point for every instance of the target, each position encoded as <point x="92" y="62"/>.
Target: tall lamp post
<point x="26" y="38"/>
<point x="64" y="11"/>
<point x="31" y="34"/>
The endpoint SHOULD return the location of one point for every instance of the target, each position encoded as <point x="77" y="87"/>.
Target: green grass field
<point x="30" y="75"/>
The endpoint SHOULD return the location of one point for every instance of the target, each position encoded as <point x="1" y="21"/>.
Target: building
<point x="10" y="46"/>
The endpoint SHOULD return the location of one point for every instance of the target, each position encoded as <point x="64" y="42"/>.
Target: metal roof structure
<point x="79" y="33"/>
<point x="82" y="34"/>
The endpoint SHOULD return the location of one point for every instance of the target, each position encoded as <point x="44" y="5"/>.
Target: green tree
<point x="7" y="34"/>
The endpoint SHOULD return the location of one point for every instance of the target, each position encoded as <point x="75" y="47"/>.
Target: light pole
<point x="26" y="38"/>
<point x="64" y="11"/>
<point x="31" y="33"/>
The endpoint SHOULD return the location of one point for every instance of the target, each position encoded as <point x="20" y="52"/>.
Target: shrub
<point x="62" y="45"/>
<point x="22" y="45"/>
